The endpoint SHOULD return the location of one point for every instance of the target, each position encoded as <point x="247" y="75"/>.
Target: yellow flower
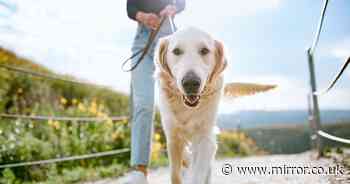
<point x="156" y="149"/>
<point x="125" y="121"/>
<point x="63" y="101"/>
<point x="109" y="122"/>
<point x="74" y="101"/>
<point x="156" y="136"/>
<point x="93" y="107"/>
<point x="115" y="135"/>
<point x="81" y="107"/>
<point x="50" y="122"/>
<point x="102" y="115"/>
<point x="19" y="90"/>
<point x="56" y="125"/>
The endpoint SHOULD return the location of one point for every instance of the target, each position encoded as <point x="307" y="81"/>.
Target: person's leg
<point x="142" y="102"/>
<point x="143" y="112"/>
<point x="142" y="83"/>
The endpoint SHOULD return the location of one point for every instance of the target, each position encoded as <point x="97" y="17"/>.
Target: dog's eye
<point x="177" y="51"/>
<point x="204" y="51"/>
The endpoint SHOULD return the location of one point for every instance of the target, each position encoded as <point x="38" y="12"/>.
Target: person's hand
<point x="150" y="20"/>
<point x="169" y="10"/>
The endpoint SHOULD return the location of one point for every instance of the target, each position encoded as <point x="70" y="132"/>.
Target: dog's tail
<point x="236" y="89"/>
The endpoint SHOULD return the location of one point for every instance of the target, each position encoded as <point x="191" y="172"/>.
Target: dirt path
<point x="161" y="175"/>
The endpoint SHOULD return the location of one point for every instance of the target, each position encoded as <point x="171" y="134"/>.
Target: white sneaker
<point x="134" y="177"/>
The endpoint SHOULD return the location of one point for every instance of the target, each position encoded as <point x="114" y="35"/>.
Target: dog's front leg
<point x="204" y="153"/>
<point x="175" y="152"/>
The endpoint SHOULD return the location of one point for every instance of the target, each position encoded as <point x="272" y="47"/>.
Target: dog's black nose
<point x="191" y="83"/>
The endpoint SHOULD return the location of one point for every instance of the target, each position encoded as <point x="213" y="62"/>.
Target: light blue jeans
<point x="142" y="97"/>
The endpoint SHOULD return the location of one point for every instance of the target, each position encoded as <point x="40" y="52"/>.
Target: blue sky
<point x="265" y="42"/>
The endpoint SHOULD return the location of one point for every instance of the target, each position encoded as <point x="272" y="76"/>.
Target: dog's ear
<point x="220" y="61"/>
<point x="161" y="60"/>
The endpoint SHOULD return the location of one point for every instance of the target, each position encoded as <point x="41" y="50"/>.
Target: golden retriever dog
<point x="189" y="70"/>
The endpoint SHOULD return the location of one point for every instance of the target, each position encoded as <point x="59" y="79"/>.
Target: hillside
<point x="294" y="139"/>
<point x="285" y="132"/>
<point x="20" y="93"/>
<point x="254" y="119"/>
<point x="24" y="140"/>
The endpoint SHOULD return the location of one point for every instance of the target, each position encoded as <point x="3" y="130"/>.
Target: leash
<point x="148" y="45"/>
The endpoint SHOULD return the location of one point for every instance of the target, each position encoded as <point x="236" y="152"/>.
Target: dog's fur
<point x="185" y="126"/>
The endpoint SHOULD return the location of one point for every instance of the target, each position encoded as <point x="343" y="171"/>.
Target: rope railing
<point x="62" y="118"/>
<point x="335" y="79"/>
<point x="319" y="28"/>
<point x="332" y="137"/>
<point x="47" y="76"/>
<point x="313" y="47"/>
<point x="64" y="159"/>
<point x="313" y="109"/>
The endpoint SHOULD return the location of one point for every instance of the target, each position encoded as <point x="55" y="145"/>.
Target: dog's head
<point x="192" y="59"/>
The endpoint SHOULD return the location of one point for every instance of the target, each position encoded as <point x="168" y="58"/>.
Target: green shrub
<point x="24" y="140"/>
<point x="235" y="143"/>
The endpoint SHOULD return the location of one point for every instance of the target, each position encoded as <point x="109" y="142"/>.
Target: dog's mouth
<point x="191" y="100"/>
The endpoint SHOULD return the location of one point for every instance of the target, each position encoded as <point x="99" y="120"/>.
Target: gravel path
<point x="161" y="175"/>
